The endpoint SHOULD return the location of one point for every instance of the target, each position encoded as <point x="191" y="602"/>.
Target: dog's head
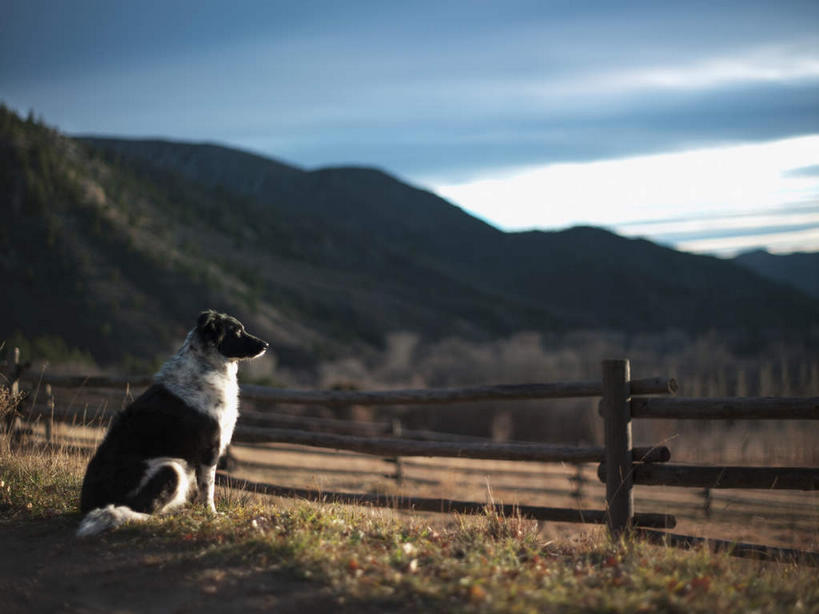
<point x="228" y="336"/>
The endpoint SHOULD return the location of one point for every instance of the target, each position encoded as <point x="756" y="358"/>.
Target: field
<point x="266" y="553"/>
<point x="291" y="554"/>
<point x="778" y="518"/>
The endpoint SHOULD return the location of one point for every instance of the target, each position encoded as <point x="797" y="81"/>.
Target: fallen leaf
<point x="477" y="593"/>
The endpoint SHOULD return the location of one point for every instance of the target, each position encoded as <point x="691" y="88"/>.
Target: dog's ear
<point x="210" y="327"/>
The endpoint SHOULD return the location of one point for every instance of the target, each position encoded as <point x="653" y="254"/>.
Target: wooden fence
<point x="621" y="465"/>
<point x="620" y="471"/>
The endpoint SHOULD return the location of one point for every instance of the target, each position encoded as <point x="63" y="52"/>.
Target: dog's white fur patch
<point x="111" y="516"/>
<point x="206" y="380"/>
<point x="184" y="475"/>
<point x="104" y="518"/>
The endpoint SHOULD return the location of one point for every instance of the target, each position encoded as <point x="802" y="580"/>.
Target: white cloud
<point x="718" y="180"/>
<point x="754" y="66"/>
<point x="777" y="243"/>
<point x="790" y="217"/>
<point x="757" y="66"/>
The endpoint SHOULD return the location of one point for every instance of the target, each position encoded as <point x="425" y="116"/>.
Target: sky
<point x="695" y="124"/>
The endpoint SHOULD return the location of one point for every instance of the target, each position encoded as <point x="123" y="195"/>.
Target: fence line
<point x="784" y="519"/>
<point x="629" y="465"/>
<point x="511" y="392"/>
<point x="464" y="447"/>
<point x="410" y="447"/>
<point x="257" y="418"/>
<point x="697" y="476"/>
<point x="687" y="509"/>
<point x="619" y="473"/>
<point x="424" y="504"/>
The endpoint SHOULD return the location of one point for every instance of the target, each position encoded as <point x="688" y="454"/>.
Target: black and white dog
<point x="173" y="433"/>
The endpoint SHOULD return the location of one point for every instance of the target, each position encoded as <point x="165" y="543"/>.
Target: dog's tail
<point x="108" y="517"/>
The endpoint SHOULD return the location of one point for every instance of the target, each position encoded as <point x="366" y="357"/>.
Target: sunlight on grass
<point x="484" y="563"/>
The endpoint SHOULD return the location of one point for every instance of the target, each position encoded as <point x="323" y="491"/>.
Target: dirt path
<point x="44" y="568"/>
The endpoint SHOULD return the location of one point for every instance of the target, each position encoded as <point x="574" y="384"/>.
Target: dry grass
<point x="776" y="518"/>
<point x="406" y="562"/>
<point x="400" y="562"/>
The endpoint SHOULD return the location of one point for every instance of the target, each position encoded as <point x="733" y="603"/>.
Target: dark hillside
<point x="800" y="270"/>
<point x="634" y="284"/>
<point x="113" y="246"/>
<point x="581" y="277"/>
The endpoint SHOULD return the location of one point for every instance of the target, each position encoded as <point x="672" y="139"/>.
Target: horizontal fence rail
<point x="765" y="408"/>
<point x="332" y="425"/>
<point x="512" y="392"/>
<point x="424" y="504"/>
<point x="785" y="514"/>
<point x="471" y="447"/>
<point x="263" y="419"/>
<point x="695" y="476"/>
<point x="88" y="381"/>
<point x="345" y="427"/>
<point x="409" y="447"/>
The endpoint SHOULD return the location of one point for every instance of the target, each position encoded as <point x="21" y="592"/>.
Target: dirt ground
<point x="44" y="568"/>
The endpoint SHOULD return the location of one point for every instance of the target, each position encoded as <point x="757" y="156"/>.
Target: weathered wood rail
<point x="727" y="409"/>
<point x="409" y="447"/>
<point x="620" y="472"/>
<point x="696" y="476"/>
<point x="424" y="504"/>
<point x="513" y="392"/>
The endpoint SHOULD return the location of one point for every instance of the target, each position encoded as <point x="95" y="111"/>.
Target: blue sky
<point x="637" y="116"/>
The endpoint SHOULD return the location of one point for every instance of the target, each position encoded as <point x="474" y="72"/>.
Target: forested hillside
<point x="111" y="247"/>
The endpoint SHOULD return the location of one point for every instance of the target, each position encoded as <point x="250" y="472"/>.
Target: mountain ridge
<point x="798" y="269"/>
<point x="133" y="238"/>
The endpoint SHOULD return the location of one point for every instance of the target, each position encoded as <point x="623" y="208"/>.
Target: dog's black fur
<point x="157" y="424"/>
<point x="177" y="428"/>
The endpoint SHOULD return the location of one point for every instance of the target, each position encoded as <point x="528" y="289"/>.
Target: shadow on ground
<point x="44" y="568"/>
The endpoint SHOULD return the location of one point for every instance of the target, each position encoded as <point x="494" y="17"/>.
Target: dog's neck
<point x="206" y="381"/>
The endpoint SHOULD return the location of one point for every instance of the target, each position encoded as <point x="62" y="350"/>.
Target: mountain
<point x="800" y="270"/>
<point x="560" y="276"/>
<point x="112" y="246"/>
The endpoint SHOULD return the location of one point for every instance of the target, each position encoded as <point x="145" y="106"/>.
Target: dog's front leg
<point x="205" y="483"/>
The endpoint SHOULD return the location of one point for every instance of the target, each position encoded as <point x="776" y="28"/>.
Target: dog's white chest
<point x="214" y="392"/>
<point x="229" y="412"/>
<point x="219" y="399"/>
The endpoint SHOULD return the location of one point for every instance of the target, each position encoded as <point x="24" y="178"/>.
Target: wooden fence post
<point x="617" y="417"/>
